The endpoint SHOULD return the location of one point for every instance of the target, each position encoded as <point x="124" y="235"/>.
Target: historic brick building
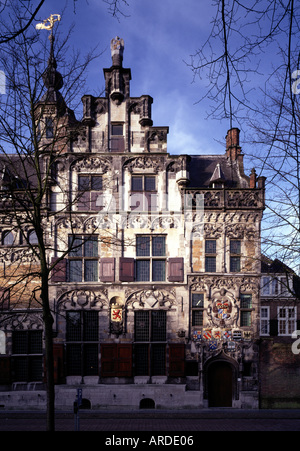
<point x="279" y="331"/>
<point x="157" y="300"/>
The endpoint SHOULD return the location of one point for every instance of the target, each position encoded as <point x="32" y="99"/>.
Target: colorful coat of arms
<point x="207" y="334"/>
<point x="116" y="314"/>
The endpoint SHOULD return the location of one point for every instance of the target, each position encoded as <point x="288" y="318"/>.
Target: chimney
<point x="233" y="143"/>
<point x="252" y="183"/>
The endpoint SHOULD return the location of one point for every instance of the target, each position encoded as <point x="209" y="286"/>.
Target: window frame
<point x="195" y="309"/>
<point x="235" y="256"/>
<point x="27" y="355"/>
<point x="86" y="193"/>
<point x="265" y="321"/>
<point x="246" y="311"/>
<point x="152" y="344"/>
<point x="210" y="256"/>
<point x="145" y="195"/>
<point x="79" y="255"/>
<point x="150" y="260"/>
<point x="290" y="322"/>
<point x="82" y="345"/>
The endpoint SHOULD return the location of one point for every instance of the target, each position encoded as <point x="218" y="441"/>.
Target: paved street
<point x="177" y="423"/>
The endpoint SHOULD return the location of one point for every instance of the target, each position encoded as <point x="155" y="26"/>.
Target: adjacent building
<point x="279" y="331"/>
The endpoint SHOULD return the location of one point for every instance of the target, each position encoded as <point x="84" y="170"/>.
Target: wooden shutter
<point x="5" y="371"/>
<point x="59" y="272"/>
<point x="117" y="144"/>
<point x="107" y="269"/>
<point x="124" y="366"/>
<point x="126" y="269"/>
<point x="4" y="298"/>
<point x="176" y="360"/>
<point x="274" y="327"/>
<point x="58" y="356"/>
<point x="108" y="360"/>
<point x="176" y="273"/>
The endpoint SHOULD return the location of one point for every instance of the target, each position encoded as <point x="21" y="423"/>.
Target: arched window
<point x="8" y="238"/>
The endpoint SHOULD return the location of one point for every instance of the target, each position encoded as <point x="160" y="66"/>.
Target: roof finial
<point x="51" y="77"/>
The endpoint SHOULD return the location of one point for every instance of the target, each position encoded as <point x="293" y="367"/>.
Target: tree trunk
<point x="48" y="322"/>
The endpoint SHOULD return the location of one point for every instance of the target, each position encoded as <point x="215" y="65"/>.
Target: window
<point x="8" y="239"/>
<point x="32" y="237"/>
<point x="49" y="128"/>
<point x="284" y="286"/>
<point x="270" y="286"/>
<point x="83" y="259"/>
<point x="265" y="321"/>
<point x="246" y="309"/>
<point x="143" y="193"/>
<point x="197" y="309"/>
<point x="117" y="129"/>
<point x="117" y="138"/>
<point x="82" y="343"/>
<point x="286" y="320"/>
<point x="235" y="255"/>
<point x="210" y="255"/>
<point x="27" y="356"/>
<point x="150" y="266"/>
<point x="90" y="196"/>
<point x="150" y="347"/>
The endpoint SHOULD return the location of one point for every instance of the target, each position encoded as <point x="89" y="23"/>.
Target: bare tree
<point x="249" y="59"/>
<point x="36" y="128"/>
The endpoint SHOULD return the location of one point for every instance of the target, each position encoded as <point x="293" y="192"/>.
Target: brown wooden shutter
<point x="124" y="367"/>
<point x="107" y="269"/>
<point x="126" y="269"/>
<point x="59" y="272"/>
<point x="5" y="371"/>
<point x="176" y="273"/>
<point x="4" y="298"/>
<point x="108" y="360"/>
<point x="117" y="144"/>
<point x="176" y="360"/>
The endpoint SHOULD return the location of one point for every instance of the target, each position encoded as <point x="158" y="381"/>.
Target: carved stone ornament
<point x="92" y="164"/>
<point x="83" y="299"/>
<point x="22" y="321"/>
<point x="12" y="255"/>
<point x="155" y="164"/>
<point x="154" y="299"/>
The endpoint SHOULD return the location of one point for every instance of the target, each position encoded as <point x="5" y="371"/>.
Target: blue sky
<point x="159" y="36"/>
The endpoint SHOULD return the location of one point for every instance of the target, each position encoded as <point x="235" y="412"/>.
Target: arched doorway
<point x="220" y="384"/>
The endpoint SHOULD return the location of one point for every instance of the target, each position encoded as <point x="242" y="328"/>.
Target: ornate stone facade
<point x="160" y="291"/>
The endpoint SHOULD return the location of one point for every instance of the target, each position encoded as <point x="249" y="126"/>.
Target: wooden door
<point x="220" y="385"/>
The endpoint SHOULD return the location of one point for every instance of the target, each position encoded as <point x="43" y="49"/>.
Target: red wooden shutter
<point x="126" y="269"/>
<point x="176" y="360"/>
<point x="58" y="356"/>
<point x="59" y="272"/>
<point x="5" y="371"/>
<point x="176" y="273"/>
<point x="108" y="360"/>
<point x="124" y="368"/>
<point x="107" y="269"/>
